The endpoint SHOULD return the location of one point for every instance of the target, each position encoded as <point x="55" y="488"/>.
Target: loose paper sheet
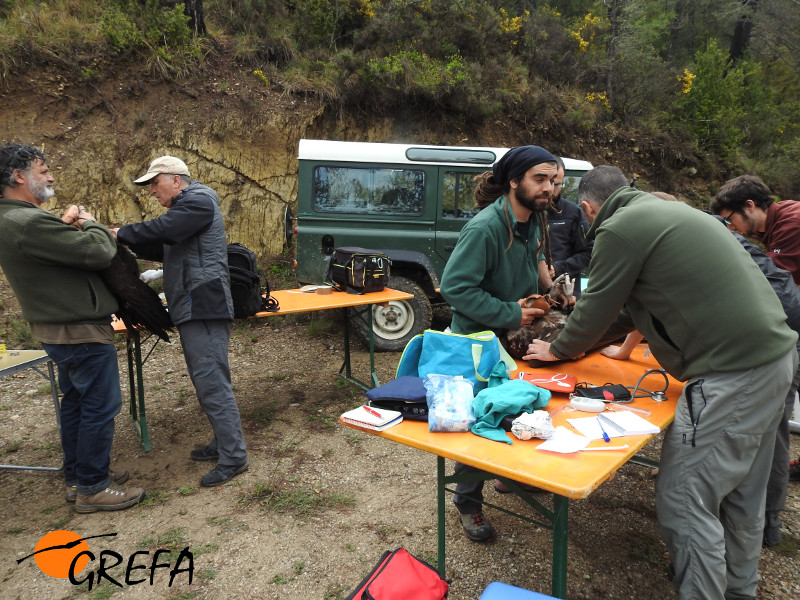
<point x="564" y="441"/>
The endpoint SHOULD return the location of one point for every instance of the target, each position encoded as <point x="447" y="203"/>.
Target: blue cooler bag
<point x="472" y="356"/>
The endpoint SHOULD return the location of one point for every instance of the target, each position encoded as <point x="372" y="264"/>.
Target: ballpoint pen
<point x="375" y="412"/>
<point x="603" y="429"/>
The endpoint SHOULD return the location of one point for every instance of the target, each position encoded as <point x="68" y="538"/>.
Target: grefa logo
<point x="64" y="554"/>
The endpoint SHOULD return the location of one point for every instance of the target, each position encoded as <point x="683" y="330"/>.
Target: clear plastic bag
<point x="449" y="403"/>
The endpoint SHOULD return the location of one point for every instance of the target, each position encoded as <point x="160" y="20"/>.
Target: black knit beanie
<point x="517" y="161"/>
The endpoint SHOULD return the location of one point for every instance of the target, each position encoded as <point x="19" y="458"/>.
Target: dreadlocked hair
<point x="487" y="190"/>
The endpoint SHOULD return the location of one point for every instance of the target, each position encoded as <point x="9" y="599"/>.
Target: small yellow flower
<point x="686" y="80"/>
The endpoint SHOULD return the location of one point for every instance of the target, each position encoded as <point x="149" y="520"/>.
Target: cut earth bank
<point x="320" y="502"/>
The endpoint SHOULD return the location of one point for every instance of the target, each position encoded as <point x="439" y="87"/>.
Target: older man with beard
<point x="52" y="265"/>
<point x="493" y="268"/>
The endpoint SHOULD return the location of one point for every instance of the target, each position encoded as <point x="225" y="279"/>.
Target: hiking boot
<point x="794" y="470"/>
<point x="203" y="453"/>
<point x="222" y="474"/>
<point x="476" y="527"/>
<point x="117" y="477"/>
<point x="772" y="528"/>
<point x="108" y="499"/>
<point x="504" y="489"/>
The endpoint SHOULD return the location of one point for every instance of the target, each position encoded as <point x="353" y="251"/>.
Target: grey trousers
<point x="205" y="348"/>
<point x="779" y="475"/>
<point x="711" y="486"/>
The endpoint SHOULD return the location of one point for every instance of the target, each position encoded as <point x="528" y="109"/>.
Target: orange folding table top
<point x="572" y="475"/>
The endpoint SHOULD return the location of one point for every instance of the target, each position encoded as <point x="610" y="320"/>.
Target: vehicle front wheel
<point x="399" y="321"/>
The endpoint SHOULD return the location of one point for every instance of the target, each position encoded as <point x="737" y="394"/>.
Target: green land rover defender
<point x="409" y="201"/>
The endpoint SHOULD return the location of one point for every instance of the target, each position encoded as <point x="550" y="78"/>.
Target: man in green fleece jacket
<point x="52" y="265"/>
<point x="711" y="319"/>
<point x="493" y="268"/>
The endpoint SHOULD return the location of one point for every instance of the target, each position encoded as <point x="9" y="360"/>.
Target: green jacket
<point x="483" y="278"/>
<point x="52" y="267"/>
<point x="674" y="274"/>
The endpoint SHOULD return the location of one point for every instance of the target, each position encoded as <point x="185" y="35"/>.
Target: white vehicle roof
<point x="411" y="154"/>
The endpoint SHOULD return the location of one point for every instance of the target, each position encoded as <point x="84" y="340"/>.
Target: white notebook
<point x="616" y="424"/>
<point x="370" y="417"/>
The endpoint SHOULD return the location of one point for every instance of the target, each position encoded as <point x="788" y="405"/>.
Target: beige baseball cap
<point x="168" y="165"/>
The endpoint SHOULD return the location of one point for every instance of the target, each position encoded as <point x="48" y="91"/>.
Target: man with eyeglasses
<point x="567" y="226"/>
<point x="748" y="207"/>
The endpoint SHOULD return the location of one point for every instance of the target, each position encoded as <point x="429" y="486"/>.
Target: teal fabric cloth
<point x="510" y="398"/>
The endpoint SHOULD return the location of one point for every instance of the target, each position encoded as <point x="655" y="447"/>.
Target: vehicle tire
<point x="397" y="322"/>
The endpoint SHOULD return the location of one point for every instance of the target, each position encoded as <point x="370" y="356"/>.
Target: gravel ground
<point x="320" y="502"/>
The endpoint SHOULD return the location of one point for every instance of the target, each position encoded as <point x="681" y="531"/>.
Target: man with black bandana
<point x="494" y="267"/>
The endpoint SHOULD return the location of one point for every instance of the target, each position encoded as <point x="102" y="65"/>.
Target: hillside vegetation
<point x="714" y="85"/>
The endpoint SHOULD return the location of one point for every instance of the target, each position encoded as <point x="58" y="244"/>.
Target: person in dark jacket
<point x="53" y="267"/>
<point x="190" y="240"/>
<point x="569" y="249"/>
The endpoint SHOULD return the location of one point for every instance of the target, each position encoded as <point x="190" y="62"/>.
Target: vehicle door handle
<point x="448" y="248"/>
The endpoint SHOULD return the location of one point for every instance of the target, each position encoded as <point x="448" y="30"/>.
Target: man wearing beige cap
<point x="190" y="240"/>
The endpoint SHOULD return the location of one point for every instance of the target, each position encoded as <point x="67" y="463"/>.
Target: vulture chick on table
<point x="139" y="305"/>
<point x="557" y="304"/>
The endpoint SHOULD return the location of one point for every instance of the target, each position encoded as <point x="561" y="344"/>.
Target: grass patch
<point x="207" y="575"/>
<point x="322" y="325"/>
<point x="302" y="502"/>
<point x="173" y="540"/>
<point x="186" y="490"/>
<point x="184" y="596"/>
<point x="789" y="546"/>
<point x="262" y="415"/>
<point x="647" y="548"/>
<point x="334" y="593"/>
<point x="154" y="497"/>
<point x="12" y="447"/>
<point x="325" y="420"/>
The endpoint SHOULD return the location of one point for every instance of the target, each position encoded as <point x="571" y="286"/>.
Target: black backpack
<point x="249" y="294"/>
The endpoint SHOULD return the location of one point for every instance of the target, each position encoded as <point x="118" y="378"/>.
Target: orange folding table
<point x="567" y="476"/>
<point x="291" y="302"/>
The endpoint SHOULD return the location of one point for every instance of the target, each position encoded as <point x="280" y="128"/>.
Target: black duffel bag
<point x="358" y="270"/>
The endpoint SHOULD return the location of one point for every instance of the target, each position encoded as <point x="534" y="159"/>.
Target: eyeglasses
<point x="727" y="220"/>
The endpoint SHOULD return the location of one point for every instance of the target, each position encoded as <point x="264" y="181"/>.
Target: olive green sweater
<point x="484" y="277"/>
<point x="674" y="274"/>
<point x="52" y="267"/>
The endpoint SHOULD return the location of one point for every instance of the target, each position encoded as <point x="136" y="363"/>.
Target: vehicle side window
<point x="569" y="190"/>
<point x="368" y="190"/>
<point x="458" y="195"/>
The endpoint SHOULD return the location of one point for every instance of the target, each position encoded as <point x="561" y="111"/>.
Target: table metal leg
<point x="136" y="378"/>
<point x="560" y="515"/>
<point x="345" y="371"/>
<point x="440" y="526"/>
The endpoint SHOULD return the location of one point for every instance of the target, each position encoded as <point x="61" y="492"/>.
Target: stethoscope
<point x="658" y="395"/>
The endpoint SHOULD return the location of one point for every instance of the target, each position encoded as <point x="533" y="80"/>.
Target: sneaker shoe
<point x="202" y="453"/>
<point x="476" y="527"/>
<point x="794" y="470"/>
<point x="222" y="474"/>
<point x="504" y="489"/>
<point x="117" y="477"/>
<point x="108" y="499"/>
